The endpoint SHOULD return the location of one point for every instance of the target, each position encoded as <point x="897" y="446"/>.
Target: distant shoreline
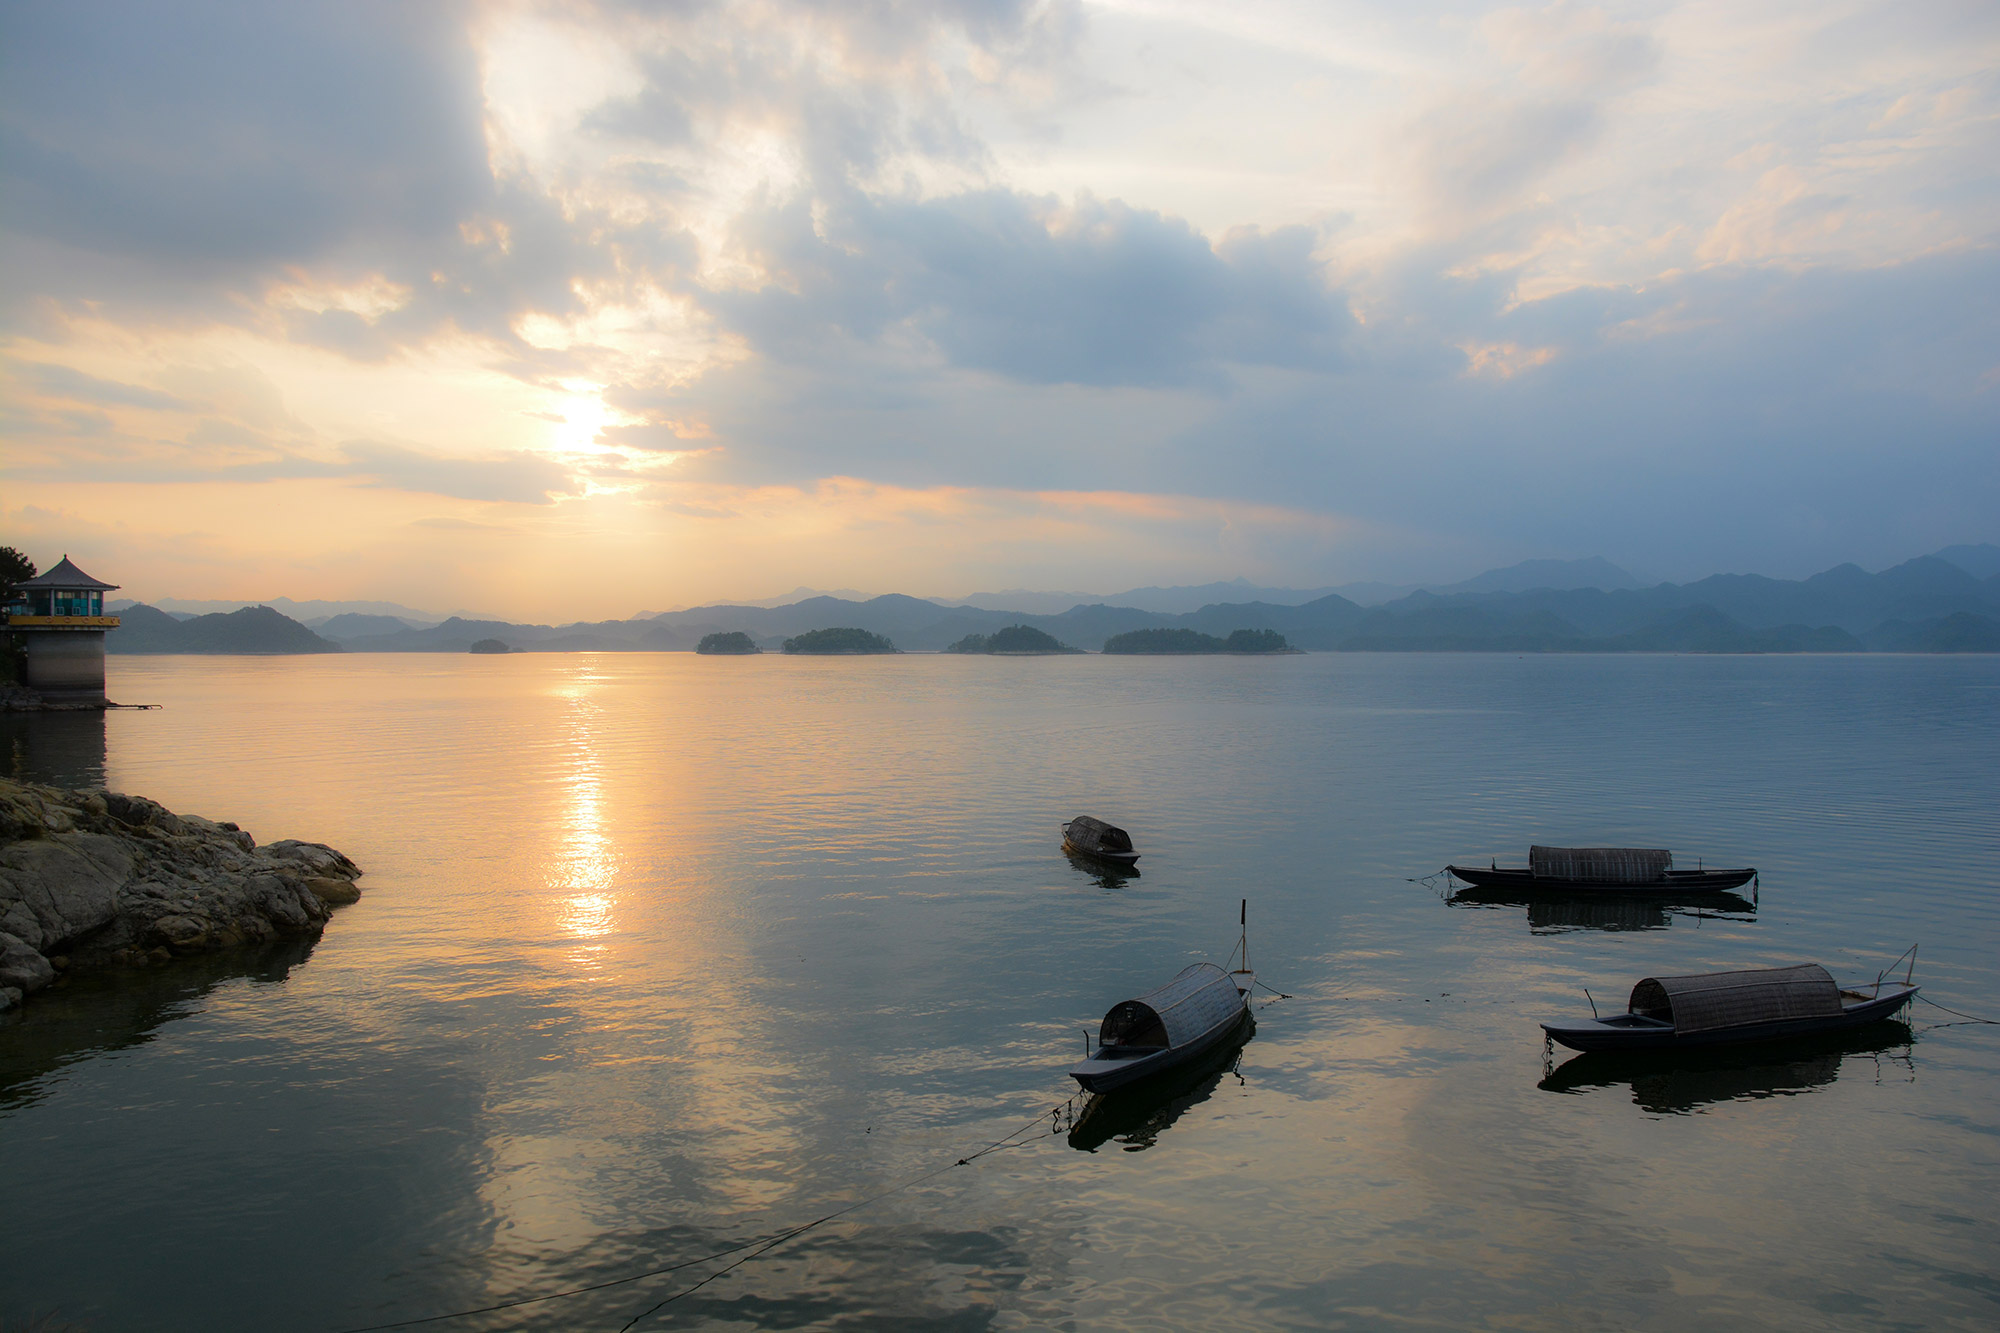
<point x="1927" y="605"/>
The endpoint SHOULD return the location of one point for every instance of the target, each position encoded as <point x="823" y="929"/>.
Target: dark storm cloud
<point x="1094" y="293"/>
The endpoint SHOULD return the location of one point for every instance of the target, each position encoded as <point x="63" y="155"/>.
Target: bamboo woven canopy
<point x="1608" y="865"/>
<point x="1094" y="835"/>
<point x="1738" y="999"/>
<point x="1198" y="998"/>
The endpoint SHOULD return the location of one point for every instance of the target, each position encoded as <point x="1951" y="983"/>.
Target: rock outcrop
<point x="97" y="878"/>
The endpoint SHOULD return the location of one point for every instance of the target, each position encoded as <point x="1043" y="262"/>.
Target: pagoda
<point x="60" y="618"/>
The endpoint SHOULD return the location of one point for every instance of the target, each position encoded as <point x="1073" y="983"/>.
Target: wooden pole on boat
<point x="1243" y="942"/>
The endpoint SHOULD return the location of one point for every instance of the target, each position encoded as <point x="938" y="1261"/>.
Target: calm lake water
<point x="662" y="953"/>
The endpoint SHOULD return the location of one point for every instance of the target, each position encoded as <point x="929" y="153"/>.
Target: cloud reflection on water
<point x="839" y="946"/>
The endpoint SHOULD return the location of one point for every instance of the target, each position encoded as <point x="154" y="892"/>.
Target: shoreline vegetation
<point x="1186" y="642"/>
<point x="845" y="641"/>
<point x="730" y="642"/>
<point x="1013" y="641"/>
<point x="100" y="879"/>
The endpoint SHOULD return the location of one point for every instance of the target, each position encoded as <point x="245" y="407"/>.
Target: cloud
<point x="519" y="478"/>
<point x="55" y="381"/>
<point x="1091" y="292"/>
<point x="1596" y="270"/>
<point x="219" y="135"/>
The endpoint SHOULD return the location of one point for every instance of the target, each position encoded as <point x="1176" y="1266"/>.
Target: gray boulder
<point x="59" y="887"/>
<point x="109" y="878"/>
<point x="22" y="967"/>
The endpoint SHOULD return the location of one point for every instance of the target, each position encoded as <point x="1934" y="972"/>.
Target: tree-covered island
<point x="1162" y="641"/>
<point x="1014" y="641"/>
<point x="839" y="641"/>
<point x="729" y="641"/>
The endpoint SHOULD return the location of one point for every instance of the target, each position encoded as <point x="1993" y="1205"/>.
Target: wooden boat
<point x="1165" y="1029"/>
<point x="1602" y="869"/>
<point x="1677" y="1013"/>
<point x="1093" y="837"/>
<point x="1138" y="1113"/>
<point x="1677" y="1082"/>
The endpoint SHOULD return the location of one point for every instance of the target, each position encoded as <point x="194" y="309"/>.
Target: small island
<point x="489" y="646"/>
<point x="728" y="642"/>
<point x="839" y="641"/>
<point x="1185" y="641"/>
<point x="1014" y="641"/>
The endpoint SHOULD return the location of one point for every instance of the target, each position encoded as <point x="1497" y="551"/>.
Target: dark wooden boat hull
<point x="1606" y="1034"/>
<point x="1125" y="859"/>
<point x="1682" y="1081"/>
<point x="1673" y="881"/>
<point x="1555" y="911"/>
<point x="1138" y="1112"/>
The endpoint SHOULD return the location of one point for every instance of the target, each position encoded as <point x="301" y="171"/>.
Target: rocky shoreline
<point x="93" y="879"/>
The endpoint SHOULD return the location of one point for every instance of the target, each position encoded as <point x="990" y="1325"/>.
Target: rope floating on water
<point x="1970" y="1018"/>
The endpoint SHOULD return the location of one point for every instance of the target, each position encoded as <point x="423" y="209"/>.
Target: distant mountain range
<point x="252" y="630"/>
<point x="311" y="614"/>
<point x="1595" y="572"/>
<point x="1930" y="604"/>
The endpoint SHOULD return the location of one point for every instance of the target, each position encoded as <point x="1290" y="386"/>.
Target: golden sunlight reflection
<point x="584" y="870"/>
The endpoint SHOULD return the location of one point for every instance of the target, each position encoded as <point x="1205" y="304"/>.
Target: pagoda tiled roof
<point x="67" y="577"/>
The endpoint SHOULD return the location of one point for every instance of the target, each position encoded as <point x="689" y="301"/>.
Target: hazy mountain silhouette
<point x="354" y="624"/>
<point x="1595" y="572"/>
<point x="311" y="613"/>
<point x="1981" y="561"/>
<point x="1929" y="604"/>
<point x="254" y="630"/>
<point x="1561" y="575"/>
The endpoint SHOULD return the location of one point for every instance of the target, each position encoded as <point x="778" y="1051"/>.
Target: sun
<point x="583" y="415"/>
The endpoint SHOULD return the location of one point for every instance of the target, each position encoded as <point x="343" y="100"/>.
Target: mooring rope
<point x="758" y="1245"/>
<point x="1969" y="1018"/>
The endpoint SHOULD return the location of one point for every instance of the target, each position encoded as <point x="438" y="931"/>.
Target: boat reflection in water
<point x="1553" y="911"/>
<point x="1136" y="1115"/>
<point x="1684" y="1082"/>
<point x="1104" y="874"/>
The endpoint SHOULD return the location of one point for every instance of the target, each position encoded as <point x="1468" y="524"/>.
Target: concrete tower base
<point x="67" y="666"/>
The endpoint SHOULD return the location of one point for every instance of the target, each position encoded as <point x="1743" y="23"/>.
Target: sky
<point x="573" y="309"/>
